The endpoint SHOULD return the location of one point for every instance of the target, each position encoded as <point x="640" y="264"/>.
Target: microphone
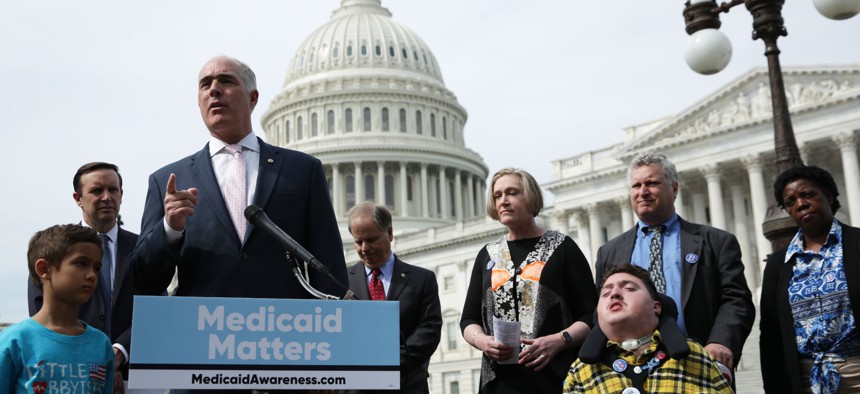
<point x="258" y="218"/>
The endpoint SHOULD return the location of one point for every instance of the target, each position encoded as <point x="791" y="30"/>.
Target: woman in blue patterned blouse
<point x="810" y="296"/>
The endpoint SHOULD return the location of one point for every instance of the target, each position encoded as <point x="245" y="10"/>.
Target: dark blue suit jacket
<point x="93" y="311"/>
<point x="420" y="318"/>
<point x="717" y="303"/>
<point x="212" y="261"/>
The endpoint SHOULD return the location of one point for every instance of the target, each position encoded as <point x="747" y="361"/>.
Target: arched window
<point x="369" y="188"/>
<point x="391" y="51"/>
<point x="330" y="122"/>
<point x="402" y="120"/>
<point x="287" y="134"/>
<point x="378" y="50"/>
<point x="385" y="119"/>
<point x="315" y="130"/>
<point x="366" y="118"/>
<point x="347" y="120"/>
<point x="349" y="51"/>
<point x="389" y="191"/>
<point x="334" y="52"/>
<point x="444" y="128"/>
<point x="299" y="128"/>
<point x="432" y="125"/>
<point x="418" y="122"/>
<point x="363" y="50"/>
<point x="350" y="190"/>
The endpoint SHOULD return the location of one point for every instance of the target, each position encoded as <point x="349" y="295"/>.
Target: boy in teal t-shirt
<point x="53" y="351"/>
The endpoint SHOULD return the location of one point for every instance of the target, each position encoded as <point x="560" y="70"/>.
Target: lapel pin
<point x="402" y="275"/>
<point x="270" y="161"/>
<point x="692" y="258"/>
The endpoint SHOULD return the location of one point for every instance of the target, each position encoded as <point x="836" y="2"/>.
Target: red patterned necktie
<point x="377" y="291"/>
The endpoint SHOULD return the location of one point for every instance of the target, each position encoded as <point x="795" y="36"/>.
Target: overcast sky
<point x="541" y="80"/>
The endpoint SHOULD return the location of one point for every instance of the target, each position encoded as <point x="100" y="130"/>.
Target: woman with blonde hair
<point x="536" y="277"/>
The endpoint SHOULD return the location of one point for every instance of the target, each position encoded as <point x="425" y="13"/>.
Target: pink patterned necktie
<point x="377" y="290"/>
<point x="235" y="191"/>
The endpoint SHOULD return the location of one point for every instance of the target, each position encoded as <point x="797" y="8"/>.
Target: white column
<point x="380" y="182"/>
<point x="848" y="147"/>
<point x="715" y="195"/>
<point x="425" y="194"/>
<point x="582" y="236"/>
<point x="458" y="195"/>
<point x="359" y="184"/>
<point x="561" y="218"/>
<point x="626" y="213"/>
<point x="470" y="196"/>
<point x="758" y="198"/>
<point x="404" y="193"/>
<point x="337" y="198"/>
<point x="739" y="212"/>
<point x="594" y="229"/>
<point x="679" y="203"/>
<point x="699" y="213"/>
<point x="806" y="151"/>
<point x="443" y="193"/>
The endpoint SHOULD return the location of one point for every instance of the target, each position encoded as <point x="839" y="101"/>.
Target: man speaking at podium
<point x="193" y="218"/>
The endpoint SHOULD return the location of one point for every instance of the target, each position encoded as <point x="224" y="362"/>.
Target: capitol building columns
<point x="560" y="221"/>
<point x="628" y="218"/>
<point x="740" y="229"/>
<point x="700" y="213"/>
<point x="439" y="191"/>
<point x="359" y="194"/>
<point x="758" y="201"/>
<point x="680" y="208"/>
<point x="847" y="143"/>
<point x="337" y="193"/>
<point x="595" y="230"/>
<point x="404" y="192"/>
<point x="715" y="195"/>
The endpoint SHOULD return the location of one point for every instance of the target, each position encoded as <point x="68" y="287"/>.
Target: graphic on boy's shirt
<point x="69" y="378"/>
<point x="40" y="386"/>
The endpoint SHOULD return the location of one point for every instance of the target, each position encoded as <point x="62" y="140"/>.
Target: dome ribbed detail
<point x="362" y="35"/>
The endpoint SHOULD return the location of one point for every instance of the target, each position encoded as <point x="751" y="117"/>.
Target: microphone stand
<point x="303" y="280"/>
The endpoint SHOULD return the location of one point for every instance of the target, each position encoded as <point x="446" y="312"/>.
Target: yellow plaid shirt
<point x="697" y="373"/>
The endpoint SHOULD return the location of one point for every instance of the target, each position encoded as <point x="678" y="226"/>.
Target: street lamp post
<point x="709" y="51"/>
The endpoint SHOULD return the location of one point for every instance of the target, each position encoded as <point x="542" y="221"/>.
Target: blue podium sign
<point x="267" y="344"/>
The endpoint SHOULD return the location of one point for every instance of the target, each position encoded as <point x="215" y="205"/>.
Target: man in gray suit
<point x="382" y="276"/>
<point x="698" y="266"/>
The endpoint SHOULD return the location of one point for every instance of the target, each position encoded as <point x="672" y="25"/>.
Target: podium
<point x="264" y="344"/>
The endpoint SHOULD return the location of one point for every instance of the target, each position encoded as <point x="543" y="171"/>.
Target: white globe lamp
<point x="708" y="51"/>
<point x="837" y="9"/>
